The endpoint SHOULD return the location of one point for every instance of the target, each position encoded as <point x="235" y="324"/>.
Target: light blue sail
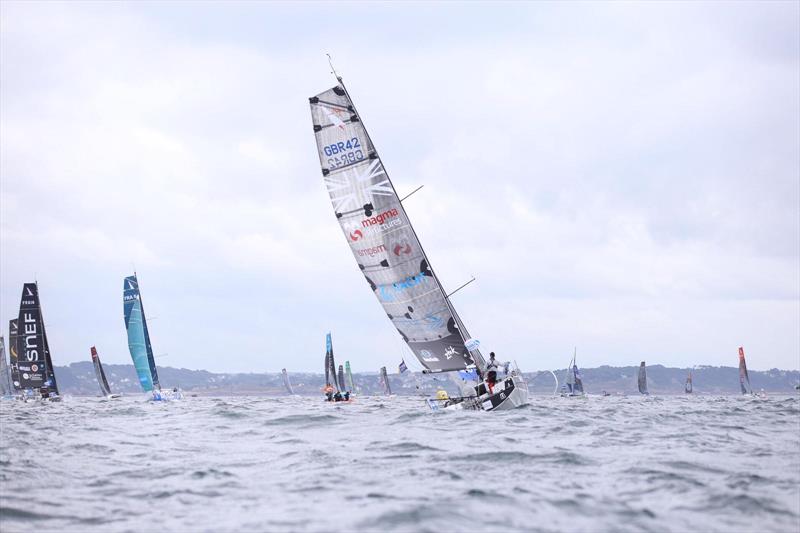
<point x="138" y="337"/>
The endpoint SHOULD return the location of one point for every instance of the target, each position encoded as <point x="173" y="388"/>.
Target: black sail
<point x="382" y="240"/>
<point x="642" y="379"/>
<point x="6" y="388"/>
<point x="99" y="373"/>
<point x="385" y="380"/>
<point x="35" y="365"/>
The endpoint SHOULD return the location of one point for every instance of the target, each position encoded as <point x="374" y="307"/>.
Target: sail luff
<point x="359" y="187"/>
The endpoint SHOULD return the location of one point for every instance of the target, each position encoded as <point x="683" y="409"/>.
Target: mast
<point x="51" y="375"/>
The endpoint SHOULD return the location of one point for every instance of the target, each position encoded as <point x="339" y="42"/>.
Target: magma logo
<point x="379" y="219"/>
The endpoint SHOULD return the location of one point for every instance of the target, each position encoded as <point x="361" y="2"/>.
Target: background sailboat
<point x="744" y="377"/>
<point x="286" y="382"/>
<point x="6" y="386"/>
<point x="388" y="252"/>
<point x="687" y="388"/>
<point x="574" y="383"/>
<point x="33" y="360"/>
<point x="387" y="388"/>
<point x="105" y="389"/>
<point x="642" y="379"/>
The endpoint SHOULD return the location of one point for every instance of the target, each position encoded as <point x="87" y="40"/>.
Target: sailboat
<point x="642" y="379"/>
<point x="390" y="256"/>
<point x="105" y="389"/>
<point x="349" y="376"/>
<point x="334" y="390"/>
<point x="35" y="366"/>
<point x="139" y="342"/>
<point x="387" y="388"/>
<point x="574" y="384"/>
<point x="286" y="382"/>
<point x="13" y="356"/>
<point x="687" y="387"/>
<point x="6" y="385"/>
<point x="744" y="377"/>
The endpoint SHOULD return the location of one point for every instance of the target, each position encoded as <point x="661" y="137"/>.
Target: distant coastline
<point x="79" y="379"/>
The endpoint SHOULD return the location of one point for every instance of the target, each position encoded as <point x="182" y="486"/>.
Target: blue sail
<point x="138" y="336"/>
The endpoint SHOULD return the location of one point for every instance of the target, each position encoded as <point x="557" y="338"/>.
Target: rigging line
<point x="461" y="287"/>
<point x="403" y="199"/>
<point x="333" y="70"/>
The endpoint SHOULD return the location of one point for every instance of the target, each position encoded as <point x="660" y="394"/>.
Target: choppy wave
<point x="297" y="464"/>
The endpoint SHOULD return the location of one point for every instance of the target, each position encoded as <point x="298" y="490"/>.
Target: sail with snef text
<point x="744" y="377"/>
<point x="139" y="336"/>
<point x="642" y="379"/>
<point x="381" y="237"/>
<point x="33" y="359"/>
<point x="99" y="373"/>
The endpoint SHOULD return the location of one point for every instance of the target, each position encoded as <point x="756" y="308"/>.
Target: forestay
<point x="382" y="239"/>
<point x="138" y="335"/>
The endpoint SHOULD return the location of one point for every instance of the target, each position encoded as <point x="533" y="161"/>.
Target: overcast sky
<point x="624" y="178"/>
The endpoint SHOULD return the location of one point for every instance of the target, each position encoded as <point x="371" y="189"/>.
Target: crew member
<point x="491" y="373"/>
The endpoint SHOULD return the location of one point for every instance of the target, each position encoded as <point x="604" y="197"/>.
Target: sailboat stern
<point x="508" y="393"/>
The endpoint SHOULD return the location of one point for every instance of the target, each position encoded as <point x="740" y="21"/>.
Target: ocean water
<point x="388" y="464"/>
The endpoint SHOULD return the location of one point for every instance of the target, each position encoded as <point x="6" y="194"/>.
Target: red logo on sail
<point x="402" y="249"/>
<point x="355" y="235"/>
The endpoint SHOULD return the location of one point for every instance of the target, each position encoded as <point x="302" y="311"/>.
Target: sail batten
<point x="382" y="239"/>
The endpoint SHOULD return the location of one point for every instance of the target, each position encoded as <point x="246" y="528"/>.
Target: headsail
<point x="382" y="239"/>
<point x="349" y="375"/>
<point x="6" y="388"/>
<point x="35" y="365"/>
<point x="138" y="335"/>
<point x="99" y="373"/>
<point x="687" y="388"/>
<point x="385" y="380"/>
<point x="642" y="381"/>
<point x="744" y="377"/>
<point x="13" y="352"/>
<point x="286" y="382"/>
<point x="341" y="379"/>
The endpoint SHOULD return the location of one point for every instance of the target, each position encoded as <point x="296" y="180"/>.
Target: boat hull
<point x="509" y="393"/>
